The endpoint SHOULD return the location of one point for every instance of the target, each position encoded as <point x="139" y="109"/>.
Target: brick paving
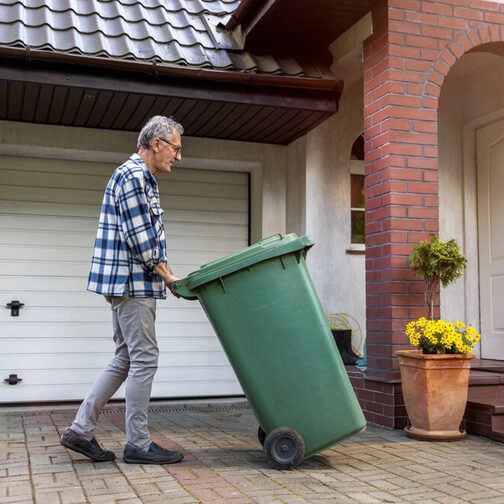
<point x="224" y="464"/>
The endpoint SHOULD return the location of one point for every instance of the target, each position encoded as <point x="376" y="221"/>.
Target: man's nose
<point x="178" y="157"/>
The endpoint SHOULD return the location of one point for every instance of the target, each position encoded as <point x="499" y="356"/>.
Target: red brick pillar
<point x="413" y="46"/>
<point x="401" y="184"/>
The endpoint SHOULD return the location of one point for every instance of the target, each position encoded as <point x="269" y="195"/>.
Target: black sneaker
<point x="154" y="455"/>
<point x="91" y="449"/>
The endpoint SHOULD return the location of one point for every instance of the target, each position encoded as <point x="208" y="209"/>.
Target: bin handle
<point x="180" y="287"/>
<point x="270" y="238"/>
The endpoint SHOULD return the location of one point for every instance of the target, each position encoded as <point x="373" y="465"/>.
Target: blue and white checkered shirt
<point x="130" y="240"/>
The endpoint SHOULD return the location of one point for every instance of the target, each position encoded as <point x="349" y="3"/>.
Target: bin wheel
<point x="284" y="448"/>
<point x="261" y="435"/>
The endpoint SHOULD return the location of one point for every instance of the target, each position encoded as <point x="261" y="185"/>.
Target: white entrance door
<point x="490" y="150"/>
<point x="62" y="337"/>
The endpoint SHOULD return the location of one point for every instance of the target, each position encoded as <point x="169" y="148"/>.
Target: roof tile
<point x="175" y="32"/>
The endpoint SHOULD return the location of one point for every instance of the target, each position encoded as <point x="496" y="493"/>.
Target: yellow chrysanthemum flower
<point x="435" y="336"/>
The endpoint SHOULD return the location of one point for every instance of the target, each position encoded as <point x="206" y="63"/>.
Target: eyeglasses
<point x="176" y="148"/>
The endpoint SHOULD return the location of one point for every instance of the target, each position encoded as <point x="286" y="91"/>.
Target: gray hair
<point x="157" y="127"/>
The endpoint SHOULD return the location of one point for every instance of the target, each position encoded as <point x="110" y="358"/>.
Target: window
<point x="357" y="191"/>
<point x="357" y="208"/>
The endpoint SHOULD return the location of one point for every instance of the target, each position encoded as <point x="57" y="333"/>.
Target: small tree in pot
<point x="435" y="378"/>
<point x="437" y="262"/>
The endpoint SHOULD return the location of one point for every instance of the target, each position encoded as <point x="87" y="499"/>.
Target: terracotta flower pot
<point x="435" y="393"/>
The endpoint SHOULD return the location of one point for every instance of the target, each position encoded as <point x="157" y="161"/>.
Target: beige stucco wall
<point x="472" y="96"/>
<point x="265" y="163"/>
<point x="450" y="188"/>
<point x="296" y="187"/>
<point x="318" y="196"/>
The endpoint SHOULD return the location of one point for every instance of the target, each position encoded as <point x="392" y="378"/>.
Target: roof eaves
<point x="251" y="78"/>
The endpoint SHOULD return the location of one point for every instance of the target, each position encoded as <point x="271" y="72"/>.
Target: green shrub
<point x="437" y="262"/>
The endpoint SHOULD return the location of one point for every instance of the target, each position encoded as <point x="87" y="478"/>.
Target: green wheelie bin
<point x="264" y="308"/>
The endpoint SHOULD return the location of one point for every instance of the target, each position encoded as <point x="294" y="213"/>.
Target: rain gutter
<point x="234" y="77"/>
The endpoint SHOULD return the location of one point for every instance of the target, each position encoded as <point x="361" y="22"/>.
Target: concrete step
<point x="498" y="435"/>
<point x="484" y="414"/>
<point x="485" y="385"/>
<point x="485" y="417"/>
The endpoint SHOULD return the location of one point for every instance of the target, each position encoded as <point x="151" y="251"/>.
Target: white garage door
<point x="62" y="337"/>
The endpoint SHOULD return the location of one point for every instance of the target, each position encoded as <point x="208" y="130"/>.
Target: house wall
<point x="318" y="204"/>
<point x="451" y="225"/>
<point x="265" y="163"/>
<point x="296" y="187"/>
<point x="472" y="96"/>
<point x="414" y="45"/>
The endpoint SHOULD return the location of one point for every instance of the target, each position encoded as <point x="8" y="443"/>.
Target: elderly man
<point x="129" y="268"/>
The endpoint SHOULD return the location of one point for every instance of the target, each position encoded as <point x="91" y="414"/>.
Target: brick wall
<point x="414" y="45"/>
<point x="382" y="402"/>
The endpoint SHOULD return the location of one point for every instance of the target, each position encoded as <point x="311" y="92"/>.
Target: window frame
<point x="356" y="168"/>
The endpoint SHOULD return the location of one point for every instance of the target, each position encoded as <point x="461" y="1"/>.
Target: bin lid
<point x="267" y="248"/>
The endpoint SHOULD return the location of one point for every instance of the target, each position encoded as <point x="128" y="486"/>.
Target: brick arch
<point x="453" y="51"/>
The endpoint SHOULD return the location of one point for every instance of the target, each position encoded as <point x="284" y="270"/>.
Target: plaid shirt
<point x="130" y="240"/>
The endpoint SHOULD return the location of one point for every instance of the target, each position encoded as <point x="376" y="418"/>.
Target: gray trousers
<point x="136" y="357"/>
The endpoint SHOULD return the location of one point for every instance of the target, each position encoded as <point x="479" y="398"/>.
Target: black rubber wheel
<point x="284" y="448"/>
<point x="261" y="435"/>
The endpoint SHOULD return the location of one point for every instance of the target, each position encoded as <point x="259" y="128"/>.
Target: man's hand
<point x="167" y="275"/>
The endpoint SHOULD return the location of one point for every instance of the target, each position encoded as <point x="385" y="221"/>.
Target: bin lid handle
<point x="181" y="288"/>
<point x="271" y="238"/>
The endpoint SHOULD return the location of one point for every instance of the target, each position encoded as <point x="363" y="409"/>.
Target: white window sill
<point x="356" y="249"/>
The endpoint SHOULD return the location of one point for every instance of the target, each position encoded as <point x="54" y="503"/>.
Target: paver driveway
<point x="224" y="463"/>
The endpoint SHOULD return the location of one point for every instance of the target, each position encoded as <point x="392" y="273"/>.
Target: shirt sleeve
<point x="141" y="235"/>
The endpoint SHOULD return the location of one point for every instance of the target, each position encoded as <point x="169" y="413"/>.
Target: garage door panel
<point x="49" y="223"/>
<point x="53" y="299"/>
<point x="202" y="204"/>
<point x="63" y="253"/>
<point x="55" y="180"/>
<point x="9" y="206"/>
<point x="98" y="361"/>
<point x="75" y="270"/>
<point x="94" y="198"/>
<point x="14" y="345"/>
<point x="212" y="190"/>
<point x="44" y="253"/>
<point x="83" y="315"/>
<point x="172" y="215"/>
<point x="63" y="225"/>
<point x="56" y="299"/>
<point x="208" y="230"/>
<point x="47" y="268"/>
<point x="41" y="238"/>
<point x="194" y="175"/>
<point x="62" y="338"/>
<point x="75" y="167"/>
<point x="83" y="298"/>
<point x="75" y="392"/>
<point x="40" y="284"/>
<point x="75" y="330"/>
<point x="47" y="194"/>
<point x="19" y="208"/>
<point x="83" y="254"/>
<point x="205" y="388"/>
<point x="195" y="374"/>
<point x="32" y="165"/>
<point x="36" y="238"/>
<point x="96" y="183"/>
